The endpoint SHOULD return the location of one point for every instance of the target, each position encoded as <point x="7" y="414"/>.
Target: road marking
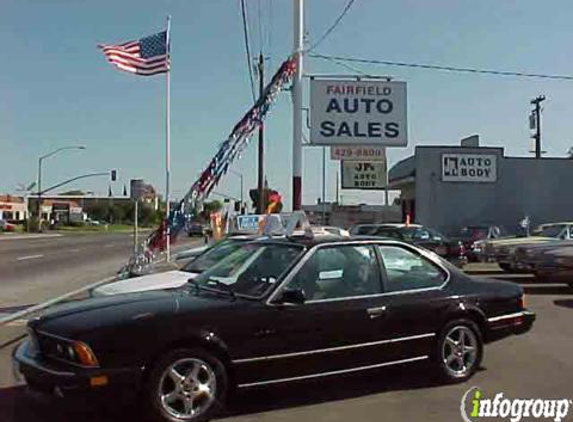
<point x="23" y="258"/>
<point x="109" y="245"/>
<point x="74" y="250"/>
<point x="27" y="236"/>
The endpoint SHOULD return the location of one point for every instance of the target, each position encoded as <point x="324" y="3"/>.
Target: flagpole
<point x="168" y="139"/>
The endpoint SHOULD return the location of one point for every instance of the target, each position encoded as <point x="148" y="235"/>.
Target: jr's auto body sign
<point x="363" y="175"/>
<point x="481" y="168"/>
<point x="358" y="113"/>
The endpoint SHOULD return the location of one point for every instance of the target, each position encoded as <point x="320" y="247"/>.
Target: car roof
<point x="390" y="225"/>
<point x="322" y="239"/>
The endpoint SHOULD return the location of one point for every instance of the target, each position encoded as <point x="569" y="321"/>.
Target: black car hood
<point x="72" y="319"/>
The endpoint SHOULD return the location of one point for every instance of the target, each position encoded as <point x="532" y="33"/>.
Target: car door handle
<point x="376" y="312"/>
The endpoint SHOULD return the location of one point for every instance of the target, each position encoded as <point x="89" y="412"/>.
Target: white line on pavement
<point x="23" y="258"/>
<point x="74" y="250"/>
<point x="27" y="236"/>
<point x="109" y="245"/>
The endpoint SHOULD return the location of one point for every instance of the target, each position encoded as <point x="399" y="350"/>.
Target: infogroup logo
<point x="475" y="406"/>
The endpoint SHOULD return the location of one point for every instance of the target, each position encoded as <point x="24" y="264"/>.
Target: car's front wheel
<point x="187" y="385"/>
<point x="459" y="350"/>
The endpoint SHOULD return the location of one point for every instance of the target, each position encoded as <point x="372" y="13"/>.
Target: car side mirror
<point x="295" y="297"/>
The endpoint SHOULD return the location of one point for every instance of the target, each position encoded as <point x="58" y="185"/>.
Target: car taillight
<point x="521" y="302"/>
<point x="459" y="249"/>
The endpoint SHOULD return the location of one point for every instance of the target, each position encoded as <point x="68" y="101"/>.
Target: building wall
<point x="524" y="186"/>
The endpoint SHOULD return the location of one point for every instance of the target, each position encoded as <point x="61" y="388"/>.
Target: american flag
<point x="146" y="56"/>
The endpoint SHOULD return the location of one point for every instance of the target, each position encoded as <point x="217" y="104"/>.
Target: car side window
<point x="338" y="272"/>
<point x="406" y="270"/>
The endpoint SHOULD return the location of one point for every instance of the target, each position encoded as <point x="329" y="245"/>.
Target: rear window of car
<point x="363" y="230"/>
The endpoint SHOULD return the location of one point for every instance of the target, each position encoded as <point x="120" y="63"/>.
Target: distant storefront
<point x="448" y="187"/>
<point x="12" y="208"/>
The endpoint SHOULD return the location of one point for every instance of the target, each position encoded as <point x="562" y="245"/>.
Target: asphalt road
<point x="37" y="268"/>
<point x="534" y="365"/>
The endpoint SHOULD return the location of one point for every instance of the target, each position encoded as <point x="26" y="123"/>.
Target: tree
<point x="212" y="206"/>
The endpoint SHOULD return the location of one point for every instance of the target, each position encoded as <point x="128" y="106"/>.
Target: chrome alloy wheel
<point x="187" y="388"/>
<point x="460" y="351"/>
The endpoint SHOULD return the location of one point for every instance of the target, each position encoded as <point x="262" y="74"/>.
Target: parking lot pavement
<point x="535" y="365"/>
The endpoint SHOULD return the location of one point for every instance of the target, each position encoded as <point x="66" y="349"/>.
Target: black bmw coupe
<point x="273" y="311"/>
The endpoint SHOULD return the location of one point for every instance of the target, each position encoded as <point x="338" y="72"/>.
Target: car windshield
<point x="213" y="255"/>
<point x="552" y="231"/>
<point x="363" y="230"/>
<point x="251" y="269"/>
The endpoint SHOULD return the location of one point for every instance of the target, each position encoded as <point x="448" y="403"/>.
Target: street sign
<point x="363" y="175"/>
<point x="344" y="112"/>
<point x="357" y="153"/>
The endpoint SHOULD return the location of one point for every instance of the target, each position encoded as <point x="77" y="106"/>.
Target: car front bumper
<point x="61" y="379"/>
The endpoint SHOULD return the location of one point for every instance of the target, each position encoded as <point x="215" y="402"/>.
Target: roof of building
<point x="402" y="169"/>
<point x="11" y="199"/>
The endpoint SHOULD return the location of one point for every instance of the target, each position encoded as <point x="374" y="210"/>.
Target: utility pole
<point x="337" y="183"/>
<point x="298" y="11"/>
<point x="261" y="175"/>
<point x="135" y="224"/>
<point x="323" y="185"/>
<point x="537" y="110"/>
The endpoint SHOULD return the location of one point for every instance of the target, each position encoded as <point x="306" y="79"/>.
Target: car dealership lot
<point x="535" y="365"/>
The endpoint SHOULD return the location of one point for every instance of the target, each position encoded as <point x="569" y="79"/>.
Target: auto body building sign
<point x="363" y="175"/>
<point x="358" y="113"/>
<point x="469" y="168"/>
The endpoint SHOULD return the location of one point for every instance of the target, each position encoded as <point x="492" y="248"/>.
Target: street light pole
<point x="236" y="173"/>
<point x="298" y="51"/>
<point x="43" y="157"/>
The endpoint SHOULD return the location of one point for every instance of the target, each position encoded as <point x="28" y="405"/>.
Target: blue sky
<point x="56" y="88"/>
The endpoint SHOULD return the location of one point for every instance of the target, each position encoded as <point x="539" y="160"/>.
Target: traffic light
<point x="113" y="175"/>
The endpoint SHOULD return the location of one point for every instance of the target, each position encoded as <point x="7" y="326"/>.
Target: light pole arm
<point x="73" y="179"/>
<point x="54" y="152"/>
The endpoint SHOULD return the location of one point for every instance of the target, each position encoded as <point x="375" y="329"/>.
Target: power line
<point x="333" y="26"/>
<point x="247" y="47"/>
<point x="344" y="65"/>
<point x="260" y="26"/>
<point x="444" y="68"/>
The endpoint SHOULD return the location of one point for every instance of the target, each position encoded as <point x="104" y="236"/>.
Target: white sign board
<point x="249" y="223"/>
<point x="363" y="175"/>
<point x="481" y="168"/>
<point x="358" y="153"/>
<point x="347" y="112"/>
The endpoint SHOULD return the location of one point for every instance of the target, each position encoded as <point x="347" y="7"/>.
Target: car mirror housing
<point x="295" y="297"/>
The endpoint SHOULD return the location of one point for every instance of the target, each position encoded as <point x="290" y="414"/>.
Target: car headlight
<point x="72" y="351"/>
